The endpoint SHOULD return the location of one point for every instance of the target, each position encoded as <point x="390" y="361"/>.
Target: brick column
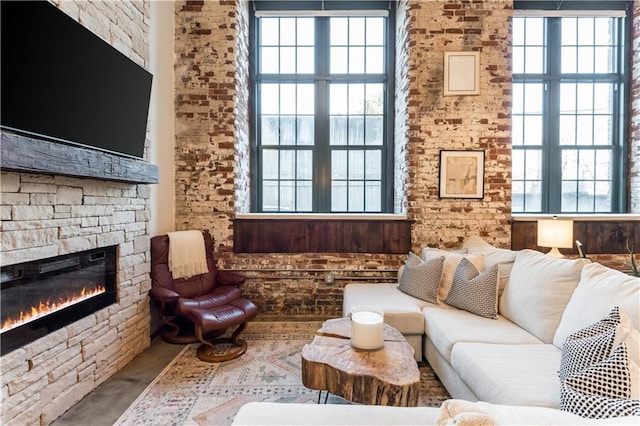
<point x="434" y="122"/>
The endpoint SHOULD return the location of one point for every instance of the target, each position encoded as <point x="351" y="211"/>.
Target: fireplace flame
<point x="48" y="307"/>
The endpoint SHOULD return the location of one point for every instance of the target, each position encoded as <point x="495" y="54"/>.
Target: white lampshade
<point x="555" y="233"/>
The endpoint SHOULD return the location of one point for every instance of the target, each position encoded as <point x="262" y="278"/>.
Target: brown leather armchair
<point x="201" y="307"/>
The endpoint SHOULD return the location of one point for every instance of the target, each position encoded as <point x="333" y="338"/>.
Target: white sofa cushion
<point x="538" y="290"/>
<point x="451" y="261"/>
<point x="447" y="326"/>
<point x="401" y="311"/>
<point x="504" y="258"/>
<point x="281" y="413"/>
<point x="510" y="374"/>
<point x="599" y="290"/>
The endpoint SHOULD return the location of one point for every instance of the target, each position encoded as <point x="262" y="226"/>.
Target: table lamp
<point x="555" y="233"/>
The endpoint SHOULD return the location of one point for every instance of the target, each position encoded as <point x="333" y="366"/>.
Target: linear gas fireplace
<point x="42" y="296"/>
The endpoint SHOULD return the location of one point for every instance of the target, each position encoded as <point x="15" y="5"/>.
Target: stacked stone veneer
<point x="45" y="215"/>
<point x="212" y="142"/>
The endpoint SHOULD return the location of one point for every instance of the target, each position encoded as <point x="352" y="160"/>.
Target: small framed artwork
<point x="461" y="73"/>
<point x="461" y="174"/>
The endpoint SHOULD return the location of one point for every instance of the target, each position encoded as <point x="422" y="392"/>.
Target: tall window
<point x="569" y="101"/>
<point x="323" y="84"/>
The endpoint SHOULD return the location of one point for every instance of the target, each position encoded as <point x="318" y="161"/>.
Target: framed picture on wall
<point x="461" y="174"/>
<point x="461" y="73"/>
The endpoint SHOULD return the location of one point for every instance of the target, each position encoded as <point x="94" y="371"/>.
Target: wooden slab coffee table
<point x="388" y="376"/>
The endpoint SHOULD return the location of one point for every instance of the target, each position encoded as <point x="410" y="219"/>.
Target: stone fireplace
<point x="48" y="216"/>
<point x="56" y="212"/>
<point x="41" y="296"/>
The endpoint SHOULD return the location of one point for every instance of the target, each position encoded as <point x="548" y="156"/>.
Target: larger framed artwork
<point x="461" y="174"/>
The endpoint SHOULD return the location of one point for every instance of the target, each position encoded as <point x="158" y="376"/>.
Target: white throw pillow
<point x="451" y="261"/>
<point x="538" y="290"/>
<point x="476" y="241"/>
<point x="599" y="290"/>
<point x="504" y="258"/>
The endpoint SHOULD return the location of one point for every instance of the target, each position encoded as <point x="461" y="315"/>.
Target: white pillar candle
<point x="367" y="330"/>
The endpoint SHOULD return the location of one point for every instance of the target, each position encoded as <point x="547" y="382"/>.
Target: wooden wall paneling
<point x="523" y="235"/>
<point x="375" y="237"/>
<point x="321" y="236"/>
<point x="316" y="235"/>
<point x="597" y="236"/>
<point x="397" y="237"/>
<point x="349" y="236"/>
<point x="333" y="244"/>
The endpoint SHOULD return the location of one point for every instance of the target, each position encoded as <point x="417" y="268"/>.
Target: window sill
<point x="321" y="216"/>
<point x="578" y="217"/>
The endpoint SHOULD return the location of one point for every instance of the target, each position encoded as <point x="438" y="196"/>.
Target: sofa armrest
<point x="229" y="278"/>
<point x="164" y="294"/>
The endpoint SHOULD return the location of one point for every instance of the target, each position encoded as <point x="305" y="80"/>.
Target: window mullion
<point x="621" y="111"/>
<point x="321" y="152"/>
<point x="389" y="121"/>
<point x="552" y="164"/>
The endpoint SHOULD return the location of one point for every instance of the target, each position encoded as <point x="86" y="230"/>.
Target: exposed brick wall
<point x="212" y="142"/>
<point x="211" y="109"/>
<point x="401" y="108"/>
<point x="634" y="148"/>
<point x="45" y="215"/>
<point x="459" y="122"/>
<point x="212" y="163"/>
<point x="242" y="173"/>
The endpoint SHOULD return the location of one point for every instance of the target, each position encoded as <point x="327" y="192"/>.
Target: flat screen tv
<point x="61" y="82"/>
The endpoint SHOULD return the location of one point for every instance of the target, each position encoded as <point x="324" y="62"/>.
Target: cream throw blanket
<point x="187" y="256"/>
<point x="463" y="413"/>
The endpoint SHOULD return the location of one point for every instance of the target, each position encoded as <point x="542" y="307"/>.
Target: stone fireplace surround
<point x="49" y="215"/>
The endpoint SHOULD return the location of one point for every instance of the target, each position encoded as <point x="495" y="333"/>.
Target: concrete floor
<point x="108" y="401"/>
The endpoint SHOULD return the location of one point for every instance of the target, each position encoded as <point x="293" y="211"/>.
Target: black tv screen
<point x="62" y="82"/>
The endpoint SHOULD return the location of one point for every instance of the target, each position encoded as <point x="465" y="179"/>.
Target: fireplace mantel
<point x="26" y="154"/>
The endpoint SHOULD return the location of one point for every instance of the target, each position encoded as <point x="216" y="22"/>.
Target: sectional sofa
<point x="509" y="358"/>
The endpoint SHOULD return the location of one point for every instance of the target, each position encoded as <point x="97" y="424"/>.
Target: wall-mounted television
<point x="61" y="82"/>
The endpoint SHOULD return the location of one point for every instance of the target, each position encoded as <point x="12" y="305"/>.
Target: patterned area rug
<point x="192" y="392"/>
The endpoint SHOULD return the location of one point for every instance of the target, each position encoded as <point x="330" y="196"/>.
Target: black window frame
<point x="552" y="78"/>
<point x="321" y="185"/>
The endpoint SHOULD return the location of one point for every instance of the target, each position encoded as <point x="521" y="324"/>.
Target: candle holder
<point x="367" y="328"/>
